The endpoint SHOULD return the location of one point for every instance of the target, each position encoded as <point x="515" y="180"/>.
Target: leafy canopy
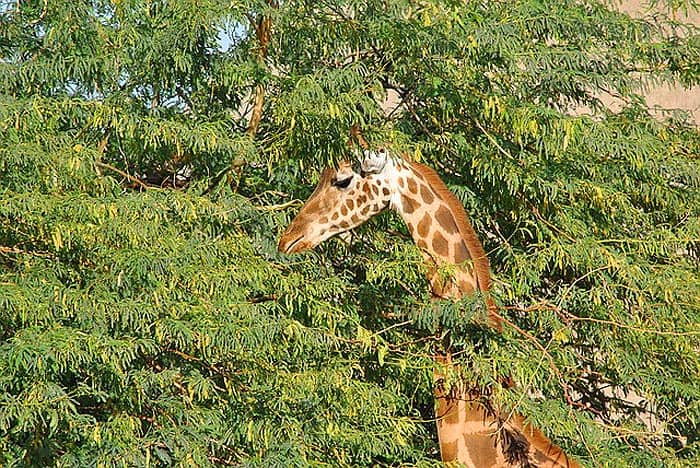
<point x="148" y="325"/>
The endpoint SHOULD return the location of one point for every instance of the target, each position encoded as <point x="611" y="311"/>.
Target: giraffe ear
<point x="374" y="161"/>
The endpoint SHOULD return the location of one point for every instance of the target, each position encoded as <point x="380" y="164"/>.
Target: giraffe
<point x="470" y="430"/>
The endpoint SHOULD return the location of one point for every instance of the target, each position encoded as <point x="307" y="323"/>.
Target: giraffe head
<point x="342" y="200"/>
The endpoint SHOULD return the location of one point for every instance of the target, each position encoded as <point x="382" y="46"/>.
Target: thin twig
<point x="630" y="327"/>
<point x="16" y="251"/>
<point x="538" y="345"/>
<point x="279" y="207"/>
<point x="492" y="139"/>
<point x="208" y="366"/>
<point x="580" y="278"/>
<point x="572" y="317"/>
<point x="123" y="174"/>
<point x="396" y="325"/>
<point x="555" y="228"/>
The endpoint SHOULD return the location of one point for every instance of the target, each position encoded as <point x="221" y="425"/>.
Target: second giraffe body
<point x="469" y="432"/>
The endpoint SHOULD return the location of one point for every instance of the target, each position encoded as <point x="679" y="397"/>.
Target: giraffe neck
<point x="469" y="433"/>
<point x="429" y="218"/>
<point x="440" y="228"/>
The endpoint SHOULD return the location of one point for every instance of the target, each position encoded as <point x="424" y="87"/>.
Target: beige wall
<point x="663" y="96"/>
<point x="638" y="8"/>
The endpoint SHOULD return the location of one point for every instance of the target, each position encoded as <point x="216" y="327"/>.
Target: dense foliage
<point x="152" y="151"/>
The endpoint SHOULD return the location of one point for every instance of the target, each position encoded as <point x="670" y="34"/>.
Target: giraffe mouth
<point x="294" y="246"/>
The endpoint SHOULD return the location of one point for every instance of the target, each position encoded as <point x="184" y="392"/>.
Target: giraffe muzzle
<point x="294" y="246"/>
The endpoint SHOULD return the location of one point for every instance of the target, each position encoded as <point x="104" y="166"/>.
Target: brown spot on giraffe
<point x="461" y="253"/>
<point x="444" y="217"/>
<point x="440" y="245"/>
<point x="344" y="210"/>
<point x="449" y="450"/>
<point x="466" y="286"/>
<point x="315" y="205"/>
<point x="424" y="226"/>
<point x="482" y="449"/>
<point x="412" y="186"/>
<point x="427" y="194"/>
<point x="451" y="415"/>
<point x="350" y="204"/>
<point x="408" y="204"/>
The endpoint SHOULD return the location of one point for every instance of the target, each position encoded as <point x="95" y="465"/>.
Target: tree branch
<point x="263" y="31"/>
<point x="123" y="174"/>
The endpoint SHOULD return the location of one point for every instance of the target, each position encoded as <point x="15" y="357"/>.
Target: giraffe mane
<point x="471" y="240"/>
<point x="541" y="443"/>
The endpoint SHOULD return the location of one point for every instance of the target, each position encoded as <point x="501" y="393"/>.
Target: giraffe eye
<point x="342" y="183"/>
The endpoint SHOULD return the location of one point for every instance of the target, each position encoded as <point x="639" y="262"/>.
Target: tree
<point x="141" y="324"/>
